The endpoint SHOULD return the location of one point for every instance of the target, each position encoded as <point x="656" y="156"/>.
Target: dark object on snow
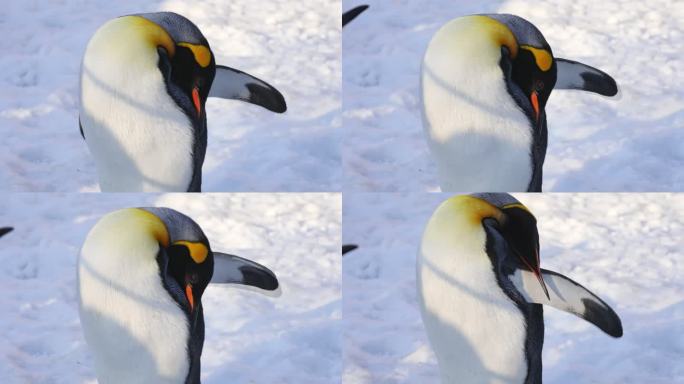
<point x="352" y="13"/>
<point x="5" y="230"/>
<point x="348" y="248"/>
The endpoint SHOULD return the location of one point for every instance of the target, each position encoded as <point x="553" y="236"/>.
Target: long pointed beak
<point x="537" y="272"/>
<point x="188" y="294"/>
<point x="534" y="99"/>
<point x="196" y="100"/>
<point x="543" y="284"/>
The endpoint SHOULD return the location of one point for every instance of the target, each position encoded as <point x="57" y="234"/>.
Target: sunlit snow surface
<point x="634" y="142"/>
<point x="250" y="338"/>
<point x="625" y="248"/>
<point x="294" y="46"/>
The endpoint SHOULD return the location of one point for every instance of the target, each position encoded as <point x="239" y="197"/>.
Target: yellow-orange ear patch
<point x="198" y="251"/>
<point x="202" y="54"/>
<point x="541" y="56"/>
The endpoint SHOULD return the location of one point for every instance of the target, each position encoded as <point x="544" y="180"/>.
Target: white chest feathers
<point x="135" y="331"/>
<point x="475" y="330"/>
<point x="479" y="137"/>
<point x="139" y="137"/>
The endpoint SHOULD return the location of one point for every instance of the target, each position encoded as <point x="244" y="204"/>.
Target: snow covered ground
<point x="250" y="338"/>
<point x="295" y="46"/>
<point x="635" y="143"/>
<point x="626" y="248"/>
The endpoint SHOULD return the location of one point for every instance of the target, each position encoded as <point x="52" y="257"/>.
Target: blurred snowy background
<point x="250" y="338"/>
<point x="626" y="248"/>
<point x="294" y="46"/>
<point x="634" y="143"/>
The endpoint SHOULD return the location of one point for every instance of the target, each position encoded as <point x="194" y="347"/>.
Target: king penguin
<point x="481" y="291"/>
<point x="145" y="80"/>
<point x="141" y="275"/>
<point x="485" y="81"/>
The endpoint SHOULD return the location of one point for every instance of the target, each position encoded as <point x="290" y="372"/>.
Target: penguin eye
<point x="538" y="85"/>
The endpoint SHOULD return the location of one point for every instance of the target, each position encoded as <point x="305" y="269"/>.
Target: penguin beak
<point x="189" y="295"/>
<point x="196" y="100"/>
<point x="534" y="99"/>
<point x="537" y="272"/>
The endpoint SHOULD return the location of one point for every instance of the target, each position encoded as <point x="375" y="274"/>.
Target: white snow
<point x="250" y="337"/>
<point x="631" y="143"/>
<point x="294" y="46"/>
<point x="626" y="248"/>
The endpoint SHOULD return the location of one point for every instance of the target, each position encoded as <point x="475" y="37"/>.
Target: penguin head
<point x="148" y="241"/>
<point x="185" y="258"/>
<point x="482" y="48"/>
<point x="145" y="46"/>
<point x="188" y="67"/>
<point x="531" y="73"/>
<point x="478" y="217"/>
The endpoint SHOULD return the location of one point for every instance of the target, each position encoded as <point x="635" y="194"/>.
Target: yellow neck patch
<point x="152" y="33"/>
<point x="499" y="32"/>
<point x="198" y="251"/>
<point x="474" y="208"/>
<point x="153" y="224"/>
<point x="202" y="54"/>
<point x="541" y="56"/>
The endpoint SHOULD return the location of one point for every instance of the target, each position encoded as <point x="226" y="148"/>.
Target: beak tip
<point x="543" y="285"/>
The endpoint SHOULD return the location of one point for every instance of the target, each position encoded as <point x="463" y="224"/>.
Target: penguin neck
<point x="479" y="136"/>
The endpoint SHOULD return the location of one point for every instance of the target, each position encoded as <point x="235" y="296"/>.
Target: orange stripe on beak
<point x="196" y="100"/>
<point x="535" y="104"/>
<point x="191" y="300"/>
